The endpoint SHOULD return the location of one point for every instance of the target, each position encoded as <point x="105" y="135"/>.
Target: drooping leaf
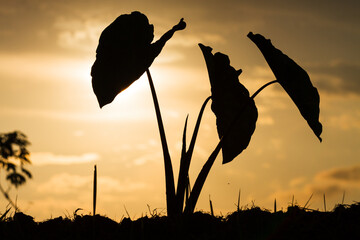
<point x="236" y="113"/>
<point x="124" y="53"/>
<point x="294" y="80"/>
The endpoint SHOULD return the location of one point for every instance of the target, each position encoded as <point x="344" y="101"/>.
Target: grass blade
<point x="211" y="207"/>
<point x="308" y="200"/>
<point x="187" y="190"/>
<point x="4" y="214"/>
<point x="127" y="213"/>
<point x="196" y="129"/>
<point x="183" y="149"/>
<point x="275" y="206"/>
<point x="186" y="159"/>
<point x="238" y="202"/>
<point x="94" y="191"/>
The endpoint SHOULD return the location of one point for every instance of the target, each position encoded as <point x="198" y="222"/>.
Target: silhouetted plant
<point x="235" y="136"/>
<point x="13" y="156"/>
<point x="125" y="52"/>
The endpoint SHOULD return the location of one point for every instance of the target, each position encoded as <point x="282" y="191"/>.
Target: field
<point x="343" y="222"/>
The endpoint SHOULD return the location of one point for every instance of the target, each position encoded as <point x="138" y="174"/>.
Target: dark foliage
<point x="236" y="113"/>
<point x="13" y="156"/>
<point x="253" y="223"/>
<point x="124" y="53"/>
<point x="294" y="80"/>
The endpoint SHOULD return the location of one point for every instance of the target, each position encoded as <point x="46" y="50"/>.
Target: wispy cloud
<point x="345" y="121"/>
<point x="47" y="158"/>
<point x="339" y="77"/>
<point x="64" y="183"/>
<point x="343" y="174"/>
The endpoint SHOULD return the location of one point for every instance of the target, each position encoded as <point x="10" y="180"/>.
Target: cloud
<point x="346" y="121"/>
<point x="339" y="77"/>
<point x="78" y="34"/>
<point x="345" y="174"/>
<point x="64" y="183"/>
<point x="297" y="181"/>
<point x="331" y="182"/>
<point x="47" y="158"/>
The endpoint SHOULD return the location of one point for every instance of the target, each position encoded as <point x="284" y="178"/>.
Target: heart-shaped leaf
<point x="294" y="80"/>
<point x="236" y="113"/>
<point x="124" y="53"/>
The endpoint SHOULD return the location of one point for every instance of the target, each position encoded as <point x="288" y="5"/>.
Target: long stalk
<point x="169" y="175"/>
<point x="200" y="180"/>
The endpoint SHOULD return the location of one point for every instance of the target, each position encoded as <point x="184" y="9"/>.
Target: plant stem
<point x="200" y="180"/>
<point x="169" y="175"/>
<point x="7" y="197"/>
<point x="262" y="88"/>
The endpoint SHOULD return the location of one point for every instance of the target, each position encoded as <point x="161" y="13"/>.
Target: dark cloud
<point x="330" y="190"/>
<point x="33" y="25"/>
<point x="338" y="78"/>
<point x="350" y="174"/>
<point x="36" y="26"/>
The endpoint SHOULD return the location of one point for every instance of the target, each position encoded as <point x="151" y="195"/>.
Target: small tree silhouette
<point x="13" y="156"/>
<point x="125" y="52"/>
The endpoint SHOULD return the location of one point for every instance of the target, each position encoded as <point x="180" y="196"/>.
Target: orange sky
<point x="46" y="52"/>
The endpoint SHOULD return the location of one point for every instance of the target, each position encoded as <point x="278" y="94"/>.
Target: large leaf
<point x="124" y="53"/>
<point x="236" y="113"/>
<point x="294" y="80"/>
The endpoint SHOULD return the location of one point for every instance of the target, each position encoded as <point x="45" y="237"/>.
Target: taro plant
<point x="125" y="52"/>
<point x="14" y="155"/>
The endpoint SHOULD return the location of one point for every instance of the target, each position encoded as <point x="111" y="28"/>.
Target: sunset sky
<point x="47" y="49"/>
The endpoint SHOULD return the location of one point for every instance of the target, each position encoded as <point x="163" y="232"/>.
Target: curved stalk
<point x="169" y="175"/>
<point x="262" y="88"/>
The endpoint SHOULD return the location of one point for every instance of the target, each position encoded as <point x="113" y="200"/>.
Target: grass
<point x="245" y="223"/>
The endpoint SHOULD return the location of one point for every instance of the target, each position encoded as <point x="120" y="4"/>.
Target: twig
<point x="308" y="200"/>
<point x="127" y="213"/>
<point x="94" y="190"/>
